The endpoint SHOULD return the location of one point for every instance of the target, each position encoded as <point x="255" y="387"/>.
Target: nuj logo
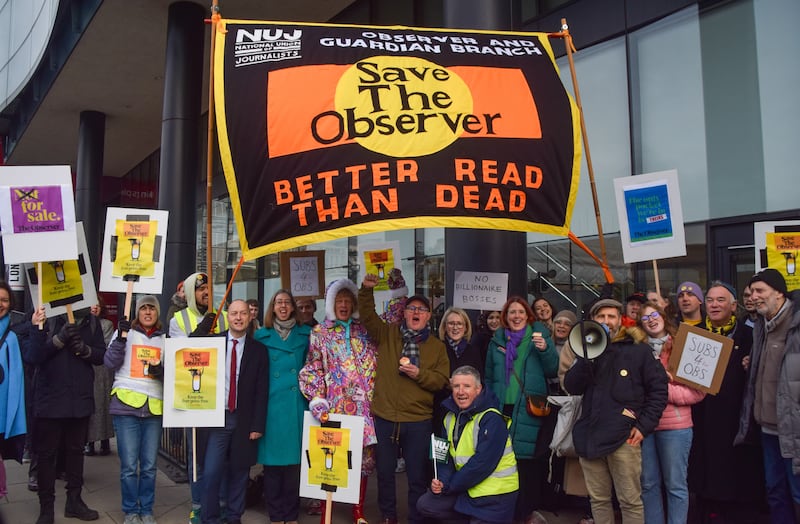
<point x="267" y="35"/>
<point x="401" y="107"/>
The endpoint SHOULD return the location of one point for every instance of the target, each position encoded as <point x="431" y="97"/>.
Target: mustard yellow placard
<point x="141" y="358"/>
<point x="61" y="280"/>
<point x="328" y="456"/>
<point x="380" y="262"/>
<point x="135" y="248"/>
<point x="196" y="379"/>
<point x="782" y="251"/>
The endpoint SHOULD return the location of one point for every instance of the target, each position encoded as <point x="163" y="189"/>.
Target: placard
<point x="194" y="382"/>
<point x="331" y="460"/>
<point x="699" y="358"/>
<point x="782" y="251"/>
<point x="303" y="273"/>
<point x="650" y="216"/>
<point x="37" y="214"/>
<point x="134" y="244"/>
<point x="64" y="281"/>
<point x="479" y="290"/>
<point x="760" y="231"/>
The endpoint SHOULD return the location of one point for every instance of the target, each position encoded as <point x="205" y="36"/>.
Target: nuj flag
<point x="332" y="131"/>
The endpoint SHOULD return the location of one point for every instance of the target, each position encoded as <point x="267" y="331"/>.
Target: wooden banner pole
<point x="215" y="18"/>
<point x="570" y="49"/>
<point x="658" y="280"/>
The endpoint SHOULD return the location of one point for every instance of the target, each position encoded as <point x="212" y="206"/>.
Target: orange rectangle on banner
<point x="500" y="94"/>
<point x="196" y="359"/>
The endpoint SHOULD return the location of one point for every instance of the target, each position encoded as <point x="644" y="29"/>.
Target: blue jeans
<point x="783" y="487"/>
<point x="665" y="458"/>
<point x="415" y="439"/>
<point x="137" y="444"/>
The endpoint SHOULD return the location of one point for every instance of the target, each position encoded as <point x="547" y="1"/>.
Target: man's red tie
<point x="232" y="386"/>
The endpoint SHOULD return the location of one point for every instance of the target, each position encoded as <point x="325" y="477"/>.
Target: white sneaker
<point x="148" y="519"/>
<point x="132" y="518"/>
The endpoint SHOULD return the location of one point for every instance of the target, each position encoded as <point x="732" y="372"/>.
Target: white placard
<point x="760" y="230"/>
<point x="66" y="281"/>
<point x="304" y="276"/>
<point x="325" y="459"/>
<point x="478" y="290"/>
<point x="134" y="243"/>
<point x="650" y="216"/>
<point x="37" y="214"/>
<point x="178" y="396"/>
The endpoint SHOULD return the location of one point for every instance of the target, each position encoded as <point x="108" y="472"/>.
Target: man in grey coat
<point x="774" y="374"/>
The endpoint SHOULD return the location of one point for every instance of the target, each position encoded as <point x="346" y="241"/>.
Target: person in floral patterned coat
<point x="339" y="373"/>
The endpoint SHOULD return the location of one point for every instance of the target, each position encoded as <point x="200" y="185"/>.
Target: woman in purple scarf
<point x="521" y="356"/>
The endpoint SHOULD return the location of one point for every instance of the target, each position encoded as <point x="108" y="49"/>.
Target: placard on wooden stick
<point x="699" y="358"/>
<point x="303" y="273"/>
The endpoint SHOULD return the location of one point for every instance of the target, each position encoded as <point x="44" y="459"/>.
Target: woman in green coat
<point x="279" y="449"/>
<point x="521" y="356"/>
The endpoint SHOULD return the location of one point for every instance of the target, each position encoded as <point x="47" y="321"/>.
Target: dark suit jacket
<point x="251" y="411"/>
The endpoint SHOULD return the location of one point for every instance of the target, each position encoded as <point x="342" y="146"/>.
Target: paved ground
<point x="102" y="492"/>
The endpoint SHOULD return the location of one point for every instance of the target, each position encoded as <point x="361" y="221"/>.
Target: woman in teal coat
<point x="279" y="449"/>
<point x="521" y="356"/>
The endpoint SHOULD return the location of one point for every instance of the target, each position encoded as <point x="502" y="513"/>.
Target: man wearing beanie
<point x="771" y="395"/>
<point x="185" y="321"/>
<point x="690" y="301"/>
<point x="624" y="393"/>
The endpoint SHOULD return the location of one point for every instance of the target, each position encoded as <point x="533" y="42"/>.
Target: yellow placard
<point x="380" y="262"/>
<point x="141" y="358"/>
<point x="135" y="248"/>
<point x="782" y="252"/>
<point x="196" y="380"/>
<point x="328" y="456"/>
<point x="61" y="280"/>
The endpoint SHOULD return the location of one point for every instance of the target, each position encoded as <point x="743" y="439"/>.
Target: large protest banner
<point x="331" y="131"/>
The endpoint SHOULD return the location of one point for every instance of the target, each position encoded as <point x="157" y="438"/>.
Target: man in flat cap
<point x="771" y="395"/>
<point x="624" y="393"/>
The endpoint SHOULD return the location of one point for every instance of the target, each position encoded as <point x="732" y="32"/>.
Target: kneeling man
<point x="479" y="482"/>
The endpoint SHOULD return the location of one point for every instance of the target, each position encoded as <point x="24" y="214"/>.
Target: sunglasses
<point x="652" y="316"/>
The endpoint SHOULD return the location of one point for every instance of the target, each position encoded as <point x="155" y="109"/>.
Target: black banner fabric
<point x="331" y="131"/>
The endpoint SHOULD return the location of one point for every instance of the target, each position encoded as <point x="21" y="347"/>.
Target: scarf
<point x="457" y="347"/>
<point x="657" y="344"/>
<point x="513" y="338"/>
<point x="722" y="330"/>
<point x="412" y="340"/>
<point x="284" y="327"/>
<point x="346" y="325"/>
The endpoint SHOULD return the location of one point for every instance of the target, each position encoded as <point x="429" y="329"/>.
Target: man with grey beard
<point x="771" y="397"/>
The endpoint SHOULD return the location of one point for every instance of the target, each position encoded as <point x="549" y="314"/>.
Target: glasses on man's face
<point x="652" y="316"/>
<point x="417" y="309"/>
<point x="455" y="324"/>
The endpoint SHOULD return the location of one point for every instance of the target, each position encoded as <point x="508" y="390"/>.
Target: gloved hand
<point x="61" y="339"/>
<point x="123" y="326"/>
<point x="75" y="341"/>
<point x="205" y="326"/>
<point x="319" y="406"/>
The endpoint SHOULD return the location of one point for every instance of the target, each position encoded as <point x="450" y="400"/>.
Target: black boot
<point x="77" y="508"/>
<point x="46" y="512"/>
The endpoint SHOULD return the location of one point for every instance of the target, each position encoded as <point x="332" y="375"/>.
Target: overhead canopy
<point x="331" y="131"/>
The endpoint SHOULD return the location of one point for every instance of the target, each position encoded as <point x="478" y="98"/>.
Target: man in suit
<point x="232" y="449"/>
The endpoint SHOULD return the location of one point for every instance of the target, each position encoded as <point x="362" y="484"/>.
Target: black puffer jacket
<point x="624" y="387"/>
<point x="64" y="383"/>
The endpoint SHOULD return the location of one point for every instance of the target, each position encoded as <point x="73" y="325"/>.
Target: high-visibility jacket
<point x="504" y="478"/>
<point x="187" y="320"/>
